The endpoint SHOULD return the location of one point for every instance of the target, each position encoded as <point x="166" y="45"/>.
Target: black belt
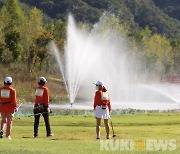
<point x="2" y="103"/>
<point x="100" y="105"/>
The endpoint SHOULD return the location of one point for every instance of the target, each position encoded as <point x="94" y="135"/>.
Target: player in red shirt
<point x="102" y="108"/>
<point x="8" y="105"/>
<point x="41" y="106"/>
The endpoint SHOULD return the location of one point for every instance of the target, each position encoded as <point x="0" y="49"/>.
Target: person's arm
<point x="46" y="97"/>
<point x="14" y="101"/>
<point x="97" y="99"/>
<point x="109" y="105"/>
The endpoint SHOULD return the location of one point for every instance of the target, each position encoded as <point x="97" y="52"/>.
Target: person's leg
<point x="9" y="125"/>
<point x="36" y="124"/>
<point x="3" y="124"/>
<point x="106" y="123"/>
<point x="3" y="121"/>
<point x="46" y="120"/>
<point x="98" y="127"/>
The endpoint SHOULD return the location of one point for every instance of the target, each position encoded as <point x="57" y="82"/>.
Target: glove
<point x="110" y="112"/>
<point x="49" y="110"/>
<point x="15" y="110"/>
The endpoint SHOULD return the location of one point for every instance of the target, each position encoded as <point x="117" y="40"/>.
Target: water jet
<point x="103" y="54"/>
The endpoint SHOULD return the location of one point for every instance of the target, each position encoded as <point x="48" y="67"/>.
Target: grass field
<point x="76" y="134"/>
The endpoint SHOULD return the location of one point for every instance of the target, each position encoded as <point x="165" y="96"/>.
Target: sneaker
<point x="50" y="135"/>
<point x="35" y="136"/>
<point x="98" y="137"/>
<point x="1" y="134"/>
<point x="108" y="137"/>
<point x="9" y="138"/>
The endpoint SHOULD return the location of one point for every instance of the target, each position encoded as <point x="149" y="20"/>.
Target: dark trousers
<point x="45" y="115"/>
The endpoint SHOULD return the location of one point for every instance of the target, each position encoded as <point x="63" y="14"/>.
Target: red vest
<point x="7" y="99"/>
<point x="101" y="97"/>
<point x="42" y="96"/>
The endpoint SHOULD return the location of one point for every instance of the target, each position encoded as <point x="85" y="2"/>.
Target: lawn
<point x="76" y="134"/>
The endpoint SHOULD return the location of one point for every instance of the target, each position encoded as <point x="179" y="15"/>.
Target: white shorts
<point x="101" y="113"/>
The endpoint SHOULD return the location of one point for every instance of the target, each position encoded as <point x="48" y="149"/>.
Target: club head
<point x="114" y="135"/>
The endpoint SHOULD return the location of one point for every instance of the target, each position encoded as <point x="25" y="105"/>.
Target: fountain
<point x="103" y="54"/>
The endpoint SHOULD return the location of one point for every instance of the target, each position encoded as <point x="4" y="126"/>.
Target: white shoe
<point x="9" y="138"/>
<point x="108" y="137"/>
<point x="98" y="137"/>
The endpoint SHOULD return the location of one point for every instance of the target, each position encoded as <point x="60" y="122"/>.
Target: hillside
<point x="170" y="7"/>
<point x="162" y="16"/>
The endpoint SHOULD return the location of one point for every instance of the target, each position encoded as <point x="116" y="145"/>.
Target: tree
<point x="12" y="41"/>
<point x="33" y="27"/>
<point x="35" y="40"/>
<point x="13" y="18"/>
<point x="158" y="53"/>
<point x="4" y="16"/>
<point x="175" y="44"/>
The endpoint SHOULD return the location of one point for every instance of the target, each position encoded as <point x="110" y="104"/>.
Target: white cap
<point x="42" y="79"/>
<point x="99" y="83"/>
<point x="8" y="80"/>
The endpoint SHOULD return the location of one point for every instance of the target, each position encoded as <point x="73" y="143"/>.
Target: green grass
<point x="76" y="134"/>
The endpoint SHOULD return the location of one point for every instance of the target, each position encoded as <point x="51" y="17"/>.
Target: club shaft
<point x="37" y="114"/>
<point x="112" y="127"/>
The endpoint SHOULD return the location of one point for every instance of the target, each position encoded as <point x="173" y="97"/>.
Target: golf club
<point x="38" y="114"/>
<point x="112" y="128"/>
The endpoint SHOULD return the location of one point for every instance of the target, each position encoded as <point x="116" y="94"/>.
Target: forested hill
<point x="162" y="16"/>
<point x="170" y="7"/>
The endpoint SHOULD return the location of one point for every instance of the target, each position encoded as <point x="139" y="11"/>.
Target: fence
<point x="170" y="79"/>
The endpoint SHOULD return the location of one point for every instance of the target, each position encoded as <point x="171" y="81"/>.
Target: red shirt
<point x="42" y="95"/>
<point x="98" y="99"/>
<point x="8" y="100"/>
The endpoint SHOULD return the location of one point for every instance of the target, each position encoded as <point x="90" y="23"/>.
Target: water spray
<point x="104" y="53"/>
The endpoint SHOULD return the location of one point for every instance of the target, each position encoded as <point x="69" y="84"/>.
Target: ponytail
<point x="104" y="89"/>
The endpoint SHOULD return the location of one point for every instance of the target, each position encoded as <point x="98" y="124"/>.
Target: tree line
<point x="24" y="36"/>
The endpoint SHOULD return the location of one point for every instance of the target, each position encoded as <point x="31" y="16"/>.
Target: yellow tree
<point x="13" y="18"/>
<point x="159" y="54"/>
<point x="4" y="16"/>
<point x="35" y="39"/>
<point x="33" y="28"/>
